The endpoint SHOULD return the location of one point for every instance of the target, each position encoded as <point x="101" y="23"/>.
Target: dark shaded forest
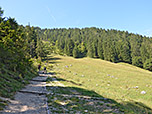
<point x="111" y="45"/>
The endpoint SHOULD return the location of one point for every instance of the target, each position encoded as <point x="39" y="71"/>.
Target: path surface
<point x="31" y="99"/>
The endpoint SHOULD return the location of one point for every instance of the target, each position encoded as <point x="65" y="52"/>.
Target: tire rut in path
<point x="31" y="99"/>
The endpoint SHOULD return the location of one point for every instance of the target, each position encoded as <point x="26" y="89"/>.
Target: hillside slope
<point x="129" y="85"/>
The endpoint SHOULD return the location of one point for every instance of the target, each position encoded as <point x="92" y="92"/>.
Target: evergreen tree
<point x="75" y="52"/>
<point x="148" y="64"/>
<point x="57" y="51"/>
<point x="82" y="50"/>
<point x="145" y="46"/>
<point x="100" y="49"/>
<point x="12" y="47"/>
<point x="137" y="61"/>
<point x="109" y="51"/>
<point x="135" y="42"/>
<point x="90" y="49"/>
<point x="31" y="41"/>
<point x="69" y="45"/>
<point x="125" y="53"/>
<point x="40" y="48"/>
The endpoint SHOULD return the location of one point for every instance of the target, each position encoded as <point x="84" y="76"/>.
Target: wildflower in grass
<point x="136" y="87"/>
<point x="111" y="76"/>
<point x="143" y="92"/>
<point x="85" y="110"/>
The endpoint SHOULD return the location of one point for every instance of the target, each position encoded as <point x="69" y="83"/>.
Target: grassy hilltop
<point x="120" y="82"/>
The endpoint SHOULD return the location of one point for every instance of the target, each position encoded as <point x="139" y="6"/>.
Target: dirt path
<point x="31" y="99"/>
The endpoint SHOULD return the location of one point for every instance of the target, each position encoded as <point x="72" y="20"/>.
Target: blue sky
<point x="129" y="15"/>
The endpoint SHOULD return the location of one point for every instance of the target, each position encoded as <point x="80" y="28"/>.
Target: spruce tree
<point x="82" y="50"/>
<point x="137" y="61"/>
<point x="125" y="52"/>
<point x="75" y="52"/>
<point x="100" y="49"/>
<point x="148" y="64"/>
<point x="69" y="45"/>
<point x="40" y="48"/>
<point x="144" y="49"/>
<point x="90" y="49"/>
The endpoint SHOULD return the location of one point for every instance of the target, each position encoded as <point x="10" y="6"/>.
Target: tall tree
<point x="135" y="41"/>
<point x="144" y="49"/>
<point x="82" y="50"/>
<point x="75" y="52"/>
<point x="69" y="45"/>
<point x="124" y="51"/>
<point x="100" y="49"/>
<point x="109" y="51"/>
<point x="40" y="48"/>
<point x="90" y="49"/>
<point x="148" y="64"/>
<point x="31" y="41"/>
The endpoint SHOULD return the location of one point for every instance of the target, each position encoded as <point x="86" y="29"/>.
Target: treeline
<point x="111" y="45"/>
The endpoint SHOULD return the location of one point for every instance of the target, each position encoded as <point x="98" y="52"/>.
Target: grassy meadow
<point x="126" y="84"/>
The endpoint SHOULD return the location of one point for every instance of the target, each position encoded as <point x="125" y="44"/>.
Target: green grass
<point x="2" y="104"/>
<point x="78" y="100"/>
<point x="120" y="82"/>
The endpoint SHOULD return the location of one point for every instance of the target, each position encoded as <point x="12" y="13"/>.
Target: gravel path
<point x="31" y="99"/>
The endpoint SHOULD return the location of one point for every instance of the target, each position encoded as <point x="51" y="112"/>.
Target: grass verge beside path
<point x="122" y="83"/>
<point x="64" y="99"/>
<point x="11" y="82"/>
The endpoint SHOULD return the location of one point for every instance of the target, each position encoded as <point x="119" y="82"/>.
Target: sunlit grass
<point x="118" y="81"/>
